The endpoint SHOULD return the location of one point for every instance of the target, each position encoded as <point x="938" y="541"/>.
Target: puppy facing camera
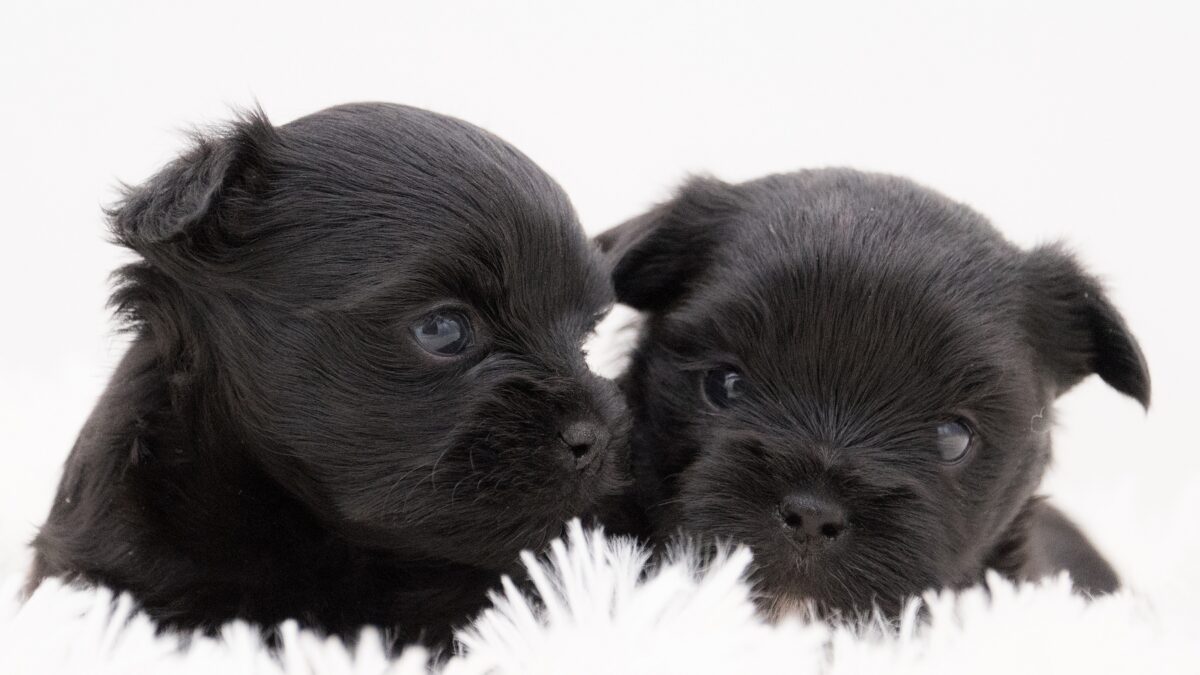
<point x="853" y="375"/>
<point x="356" y="386"/>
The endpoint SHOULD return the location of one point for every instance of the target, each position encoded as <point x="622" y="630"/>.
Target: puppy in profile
<point x="355" y="389"/>
<point x="854" y="376"/>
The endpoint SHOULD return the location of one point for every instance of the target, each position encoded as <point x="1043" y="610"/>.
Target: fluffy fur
<point x="601" y="610"/>
<point x="275" y="444"/>
<point x="861" y="312"/>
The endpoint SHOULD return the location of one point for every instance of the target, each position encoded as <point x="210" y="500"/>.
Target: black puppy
<point x="854" y="376"/>
<point x="356" y="388"/>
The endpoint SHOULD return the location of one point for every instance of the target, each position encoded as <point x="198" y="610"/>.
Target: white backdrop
<point x="1072" y="120"/>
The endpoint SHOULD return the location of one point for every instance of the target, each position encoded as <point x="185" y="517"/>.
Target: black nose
<point x="814" y="518"/>
<point x="585" y="441"/>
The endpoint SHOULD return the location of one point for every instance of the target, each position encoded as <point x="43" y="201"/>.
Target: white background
<point x="1057" y="120"/>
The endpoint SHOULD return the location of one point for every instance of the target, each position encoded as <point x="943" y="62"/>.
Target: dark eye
<point x="954" y="439"/>
<point x="443" y="333"/>
<point x="723" y="386"/>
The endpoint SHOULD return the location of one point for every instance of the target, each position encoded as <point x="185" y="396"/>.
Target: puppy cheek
<point x="719" y="497"/>
<point x="507" y="446"/>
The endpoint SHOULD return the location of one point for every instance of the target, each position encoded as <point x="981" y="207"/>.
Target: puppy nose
<point x="584" y="440"/>
<point x="813" y="518"/>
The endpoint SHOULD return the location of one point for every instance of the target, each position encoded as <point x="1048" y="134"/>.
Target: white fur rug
<point x="600" y="617"/>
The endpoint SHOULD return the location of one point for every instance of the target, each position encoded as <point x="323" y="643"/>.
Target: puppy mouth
<point x="791" y="576"/>
<point x="799" y="586"/>
<point x="843" y="582"/>
<point x="564" y="486"/>
<point x="587" y="469"/>
<point x="803" y="558"/>
<point x="582" y="486"/>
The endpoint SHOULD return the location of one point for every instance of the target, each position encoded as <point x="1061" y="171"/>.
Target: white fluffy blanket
<point x="599" y="615"/>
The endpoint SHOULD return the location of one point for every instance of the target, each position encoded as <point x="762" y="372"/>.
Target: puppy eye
<point x="954" y="439"/>
<point x="723" y="386"/>
<point x="443" y="333"/>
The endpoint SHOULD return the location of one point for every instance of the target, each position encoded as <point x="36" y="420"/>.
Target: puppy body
<point x="855" y="376"/>
<point x="355" y="390"/>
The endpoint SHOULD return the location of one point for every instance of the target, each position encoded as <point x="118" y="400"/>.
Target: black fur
<point x="863" y="311"/>
<point x="275" y="444"/>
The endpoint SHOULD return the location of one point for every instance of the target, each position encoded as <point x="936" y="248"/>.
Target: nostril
<point x="813" y="518"/>
<point x="580" y="450"/>
<point x="831" y="530"/>
<point x="583" y="439"/>
<point x="793" y="519"/>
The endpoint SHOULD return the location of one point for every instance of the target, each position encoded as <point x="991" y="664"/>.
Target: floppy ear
<point x="657" y="254"/>
<point x="187" y="192"/>
<point x="1076" y="330"/>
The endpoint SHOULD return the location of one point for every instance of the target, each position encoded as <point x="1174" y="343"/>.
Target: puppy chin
<point x="814" y="591"/>
<point x="789" y="583"/>
<point x="776" y="607"/>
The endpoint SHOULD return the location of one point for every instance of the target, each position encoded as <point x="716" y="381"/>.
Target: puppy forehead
<point x="437" y="173"/>
<point x="843" y="273"/>
<point x="520" y="281"/>
<point x="830" y="210"/>
<point x="392" y="196"/>
<point x="837" y="307"/>
<point x="835" y="233"/>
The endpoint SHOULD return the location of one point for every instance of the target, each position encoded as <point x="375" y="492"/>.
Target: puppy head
<point x="851" y="374"/>
<point x="385" y="308"/>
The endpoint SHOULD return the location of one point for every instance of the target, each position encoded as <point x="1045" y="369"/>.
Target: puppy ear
<point x="657" y="254"/>
<point x="1077" y="331"/>
<point x="187" y="192"/>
